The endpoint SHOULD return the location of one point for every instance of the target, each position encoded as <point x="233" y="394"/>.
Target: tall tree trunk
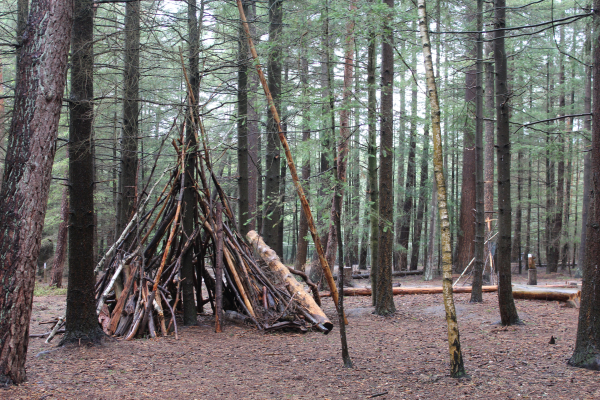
<point x="242" y="131"/>
<point x="272" y="216"/>
<point x="61" y="242"/>
<point x="416" y="243"/>
<point x="129" y="139"/>
<point x="82" y="322"/>
<point x="457" y="368"/>
<point x="587" y="163"/>
<point x="466" y="231"/>
<point x="407" y="207"/>
<point x="551" y="249"/>
<point x="476" y="295"/>
<point x="490" y="106"/>
<point x="27" y="176"/>
<point x="302" y="252"/>
<point x="508" y="311"/>
<point x="190" y="310"/>
<point x="384" y="303"/>
<point x="372" y="161"/>
<point x="433" y="223"/>
<point x="401" y="175"/>
<point x="587" y="346"/>
<point x="253" y="132"/>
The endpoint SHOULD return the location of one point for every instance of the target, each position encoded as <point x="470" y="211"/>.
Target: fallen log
<point x="399" y="291"/>
<point x="295" y="288"/>
<point x="545" y="293"/>
<point x="519" y="292"/>
<point x="395" y="273"/>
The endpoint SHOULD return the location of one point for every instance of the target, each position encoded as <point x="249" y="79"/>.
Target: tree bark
<point x="490" y="106"/>
<point x="61" y="242"/>
<point x="384" y="301"/>
<point x="587" y="163"/>
<point x="373" y="188"/>
<point x="479" y="264"/>
<point x="587" y="345"/>
<point x="190" y="210"/>
<point x="129" y="136"/>
<point x="407" y="207"/>
<point x="82" y="322"/>
<point x="416" y="243"/>
<point x="457" y="368"/>
<point x="272" y="216"/>
<point x="302" y="253"/>
<point x="508" y="311"/>
<point x="242" y="131"/>
<point x="27" y="175"/>
<point x="466" y="231"/>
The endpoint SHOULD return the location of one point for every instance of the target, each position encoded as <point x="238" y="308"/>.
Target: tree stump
<point x="532" y="271"/>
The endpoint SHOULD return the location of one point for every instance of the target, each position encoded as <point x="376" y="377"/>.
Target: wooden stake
<point x="291" y="165"/>
<point x="219" y="269"/>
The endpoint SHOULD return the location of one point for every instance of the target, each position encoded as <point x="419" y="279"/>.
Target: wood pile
<point x="149" y="254"/>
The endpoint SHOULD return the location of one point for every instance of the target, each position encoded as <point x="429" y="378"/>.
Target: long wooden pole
<point x="291" y="165"/>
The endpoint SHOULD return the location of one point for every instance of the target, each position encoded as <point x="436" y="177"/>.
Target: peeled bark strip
<point x="457" y="368"/>
<point x="293" y="286"/>
<point x="38" y="98"/>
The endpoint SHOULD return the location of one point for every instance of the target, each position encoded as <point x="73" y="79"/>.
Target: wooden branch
<point x="292" y="285"/>
<point x="401" y="291"/>
<point x="290" y="162"/>
<point x="314" y="288"/>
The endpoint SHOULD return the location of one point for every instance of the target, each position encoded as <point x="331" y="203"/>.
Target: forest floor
<point x="404" y="356"/>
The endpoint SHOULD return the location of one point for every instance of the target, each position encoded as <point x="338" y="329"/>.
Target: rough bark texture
<point x="302" y="253"/>
<point x="457" y="368"/>
<point x="465" y="249"/>
<point x="490" y="106"/>
<point x="407" y="208"/>
<point x="372" y="161"/>
<point x="189" y="198"/>
<point x="587" y="346"/>
<point x="82" y="322"/>
<point x="253" y="131"/>
<point x="384" y="300"/>
<point x="479" y="264"/>
<point x="508" y="311"/>
<point x="129" y="135"/>
<point x="587" y="163"/>
<point x="242" y="131"/>
<point x="272" y="217"/>
<point x="416" y="242"/>
<point x="61" y="242"/>
<point x="26" y="182"/>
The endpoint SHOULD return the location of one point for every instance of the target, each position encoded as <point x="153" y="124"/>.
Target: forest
<point x="241" y="175"/>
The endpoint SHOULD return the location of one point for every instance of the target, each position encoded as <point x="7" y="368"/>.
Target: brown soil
<point x="400" y="357"/>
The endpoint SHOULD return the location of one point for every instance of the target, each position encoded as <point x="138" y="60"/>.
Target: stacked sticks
<point x="139" y="292"/>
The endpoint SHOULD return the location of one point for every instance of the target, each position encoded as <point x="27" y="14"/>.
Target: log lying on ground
<point x="395" y="273"/>
<point x="295" y="288"/>
<point x="398" y="291"/>
<point x="519" y="292"/>
<point x="545" y="293"/>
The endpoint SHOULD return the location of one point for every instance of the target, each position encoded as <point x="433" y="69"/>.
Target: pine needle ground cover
<point x="403" y="356"/>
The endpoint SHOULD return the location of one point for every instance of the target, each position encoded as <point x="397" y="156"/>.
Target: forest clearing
<point x="399" y="357"/>
<point x="299" y="199"/>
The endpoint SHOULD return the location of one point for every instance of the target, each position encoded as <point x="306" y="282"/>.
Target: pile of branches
<point x="146" y="262"/>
